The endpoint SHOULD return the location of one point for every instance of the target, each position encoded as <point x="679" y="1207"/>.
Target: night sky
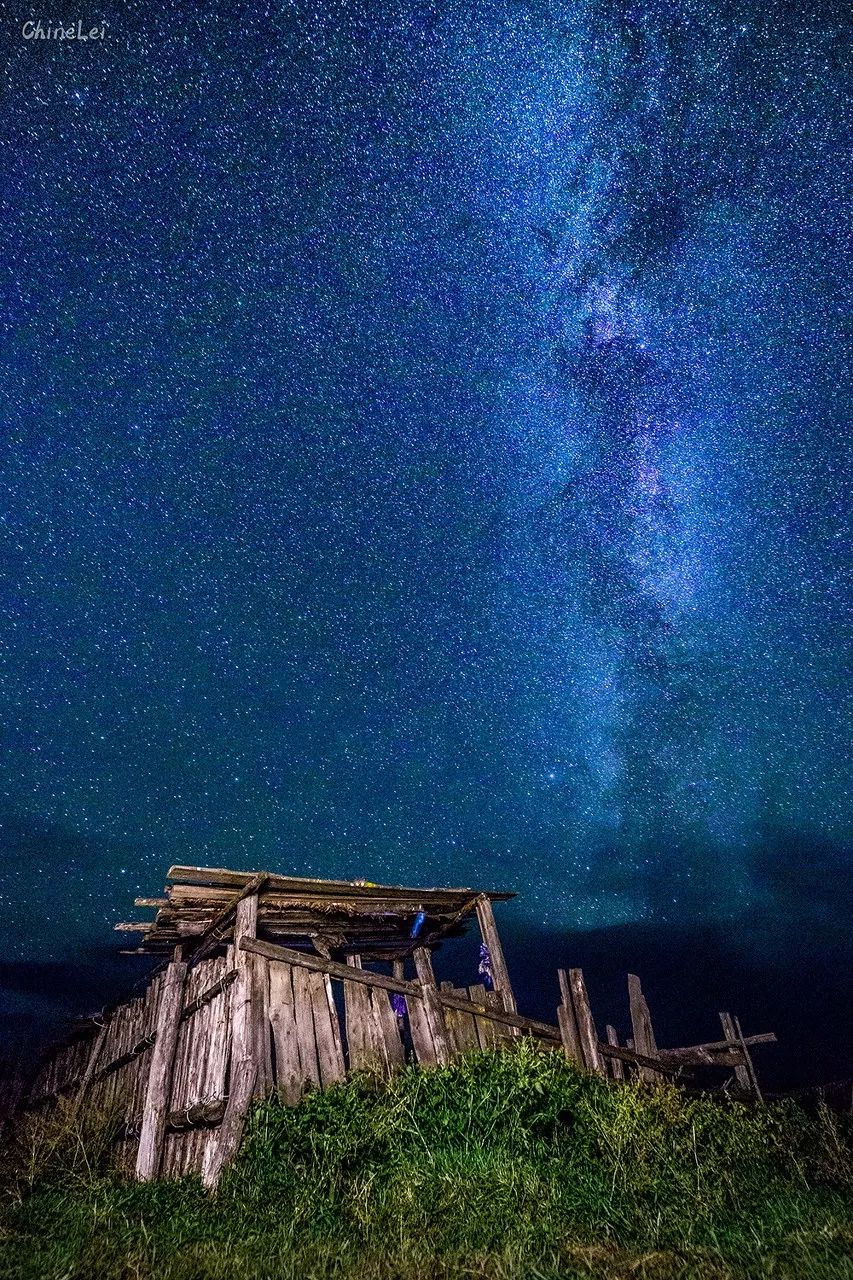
<point x="427" y="457"/>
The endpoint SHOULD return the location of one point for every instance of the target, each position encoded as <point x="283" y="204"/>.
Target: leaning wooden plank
<point x="309" y="1067"/>
<point x="641" y="1022"/>
<point x="160" y="1073"/>
<point x="489" y="931"/>
<point x="283" y="1020"/>
<point x="330" y="1058"/>
<point x="616" y="1066"/>
<point x="742" y="1072"/>
<point x="231" y="1130"/>
<point x="569" y="1033"/>
<point x="586" y="1026"/>
<point x="419" y="1029"/>
<point x="298" y="958"/>
<point x="432" y="1006"/>
<point x="365" y="1050"/>
<point x="388" y="1028"/>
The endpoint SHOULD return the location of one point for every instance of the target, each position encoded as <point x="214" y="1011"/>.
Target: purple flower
<point x="485" y="969"/>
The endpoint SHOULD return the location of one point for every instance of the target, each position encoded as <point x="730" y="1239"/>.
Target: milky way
<point x="427" y="458"/>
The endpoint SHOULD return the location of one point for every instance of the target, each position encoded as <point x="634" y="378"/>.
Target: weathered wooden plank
<point x="616" y="1067"/>
<point x="231" y="1130"/>
<point x="641" y="1023"/>
<point x="160" y="1073"/>
<point x="484" y="1026"/>
<point x="500" y="973"/>
<point x="419" y="1029"/>
<point x="461" y="1028"/>
<point x="309" y="1067"/>
<point x="283" y="1019"/>
<point x="585" y="1024"/>
<point x="432" y="1006"/>
<point x="330" y="1057"/>
<point x="744" y="1071"/>
<point x="569" y="1033"/>
<point x="365" y="1052"/>
<point x="261" y="1020"/>
<point x="388" y="1029"/>
<point x="223" y="877"/>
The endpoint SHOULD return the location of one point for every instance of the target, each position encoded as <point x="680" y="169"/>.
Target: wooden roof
<point x="327" y="916"/>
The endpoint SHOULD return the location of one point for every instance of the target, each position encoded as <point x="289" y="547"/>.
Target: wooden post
<point x="586" y="1027"/>
<point x="432" y="1006"/>
<point x="283" y="1019"/>
<point x="641" y="1022"/>
<point x="158" y="1093"/>
<point x="617" y="1067"/>
<point x="567" y="1021"/>
<point x="489" y="933"/>
<point x="245" y="1046"/>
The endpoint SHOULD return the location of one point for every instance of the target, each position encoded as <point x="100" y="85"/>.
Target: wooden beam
<point x="641" y="1022"/>
<point x="489" y="932"/>
<point x="160" y="1073"/>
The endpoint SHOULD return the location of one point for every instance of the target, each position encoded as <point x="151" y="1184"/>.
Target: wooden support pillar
<point x="586" y="1027"/>
<point x="433" y="1010"/>
<point x="641" y="1022"/>
<point x="249" y="1051"/>
<point x="159" y="1089"/>
<point x="489" y="933"/>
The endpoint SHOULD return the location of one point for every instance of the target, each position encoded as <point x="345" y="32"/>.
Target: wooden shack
<point x="245" y="1003"/>
<point x="270" y="982"/>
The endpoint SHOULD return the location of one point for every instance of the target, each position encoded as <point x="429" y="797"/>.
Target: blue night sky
<point x="427" y="456"/>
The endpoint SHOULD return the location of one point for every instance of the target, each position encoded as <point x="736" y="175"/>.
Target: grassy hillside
<point x="505" y="1165"/>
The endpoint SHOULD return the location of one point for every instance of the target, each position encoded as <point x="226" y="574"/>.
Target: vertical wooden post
<point x="245" y="1046"/>
<point x="160" y="1073"/>
<point x="569" y="1034"/>
<point x="489" y="933"/>
<point x="617" y="1067"/>
<point x="586" y="1026"/>
<point x="432" y="1006"/>
<point x="641" y="1022"/>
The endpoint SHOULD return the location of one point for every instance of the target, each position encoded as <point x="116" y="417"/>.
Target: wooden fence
<point x="184" y="1060"/>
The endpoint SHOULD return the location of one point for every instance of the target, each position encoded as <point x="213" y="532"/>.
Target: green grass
<point x="505" y="1165"/>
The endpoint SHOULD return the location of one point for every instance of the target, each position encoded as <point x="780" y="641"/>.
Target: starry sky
<point x="426" y="456"/>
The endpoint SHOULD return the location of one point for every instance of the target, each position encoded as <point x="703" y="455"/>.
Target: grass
<point x="503" y="1166"/>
